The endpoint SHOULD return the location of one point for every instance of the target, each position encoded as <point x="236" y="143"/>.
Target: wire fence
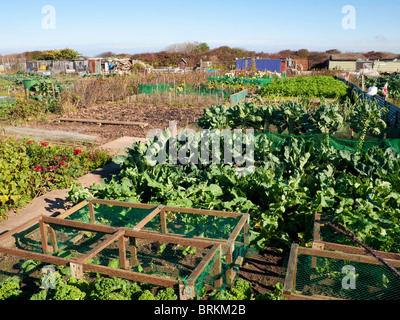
<point x="392" y="118"/>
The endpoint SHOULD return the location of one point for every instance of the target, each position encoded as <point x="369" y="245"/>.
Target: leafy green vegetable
<point x="10" y="288"/>
<point x="312" y="87"/>
<point x="166" y="294"/>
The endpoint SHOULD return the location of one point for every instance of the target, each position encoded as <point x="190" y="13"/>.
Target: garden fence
<point x="392" y="118"/>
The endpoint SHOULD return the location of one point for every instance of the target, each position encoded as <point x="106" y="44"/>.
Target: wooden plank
<point x="147" y="219"/>
<point x="356" y="250"/>
<point x="124" y="204"/>
<point x="290" y="278"/>
<point x="100" y="247"/>
<point x="198" y="243"/>
<point x="186" y="291"/>
<point x="24" y="254"/>
<point x="203" y="264"/>
<point x="182" y="236"/>
<point x="218" y="268"/>
<point x="91" y="212"/>
<point x="43" y="236"/>
<point x="123" y="123"/>
<point x="317" y="227"/>
<point x="229" y="272"/>
<point x="246" y="231"/>
<point x="20" y="228"/>
<point x="238" y="228"/>
<point x="80" y="225"/>
<point x="130" y="275"/>
<point x="163" y="218"/>
<point x="133" y="249"/>
<point x="123" y="262"/>
<point x="345" y="256"/>
<point x="73" y="210"/>
<point x="204" y="212"/>
<point x="76" y="270"/>
<point x="53" y="239"/>
<point x="296" y="296"/>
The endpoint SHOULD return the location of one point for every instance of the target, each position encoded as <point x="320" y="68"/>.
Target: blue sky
<point x="92" y="27"/>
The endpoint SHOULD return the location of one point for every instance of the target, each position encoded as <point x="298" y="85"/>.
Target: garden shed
<point x="273" y="65"/>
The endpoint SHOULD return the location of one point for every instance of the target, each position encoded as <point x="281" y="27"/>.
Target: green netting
<point x="203" y="226"/>
<point x="237" y="97"/>
<point x="388" y="242"/>
<point x="186" y="89"/>
<point x="347" y="144"/>
<point x="329" y="277"/>
<point x="242" y="81"/>
<point x="116" y="216"/>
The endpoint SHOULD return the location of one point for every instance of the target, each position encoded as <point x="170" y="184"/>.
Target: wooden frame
<point x="318" y="243"/>
<point x="291" y="272"/>
<point x="218" y="247"/>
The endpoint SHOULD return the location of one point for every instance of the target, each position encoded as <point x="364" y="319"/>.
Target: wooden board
<point x="121" y="123"/>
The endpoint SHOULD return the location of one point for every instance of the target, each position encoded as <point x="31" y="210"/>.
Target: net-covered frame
<point x="291" y="279"/>
<point x="319" y="243"/>
<point x="78" y="266"/>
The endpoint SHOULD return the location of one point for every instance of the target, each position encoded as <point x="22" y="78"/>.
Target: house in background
<point x="364" y="65"/>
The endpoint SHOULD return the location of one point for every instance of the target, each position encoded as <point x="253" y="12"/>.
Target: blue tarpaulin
<point x="273" y="65"/>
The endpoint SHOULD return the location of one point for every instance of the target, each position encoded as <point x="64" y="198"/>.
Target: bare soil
<point x="157" y="117"/>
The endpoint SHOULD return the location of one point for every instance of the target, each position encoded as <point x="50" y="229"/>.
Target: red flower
<point x="77" y="151"/>
<point x="64" y="158"/>
<point x="44" y="144"/>
<point x="55" y="159"/>
<point x="38" y="169"/>
<point x="66" y="166"/>
<point x="29" y="142"/>
<point x="62" y="163"/>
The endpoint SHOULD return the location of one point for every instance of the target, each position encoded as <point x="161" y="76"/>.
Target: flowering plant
<point x="29" y="169"/>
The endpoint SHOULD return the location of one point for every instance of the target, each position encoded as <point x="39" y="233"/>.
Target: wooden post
<point x="53" y="239"/>
<point x="290" y="279"/>
<point x="76" y="270"/>
<point x="43" y="235"/>
<point x="246" y="231"/>
<point x="123" y="262"/>
<point x="163" y="218"/>
<point x="218" y="268"/>
<point x="229" y="272"/>
<point x="186" y="291"/>
<point x="363" y="82"/>
<point x="133" y="249"/>
<point x="91" y="212"/>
